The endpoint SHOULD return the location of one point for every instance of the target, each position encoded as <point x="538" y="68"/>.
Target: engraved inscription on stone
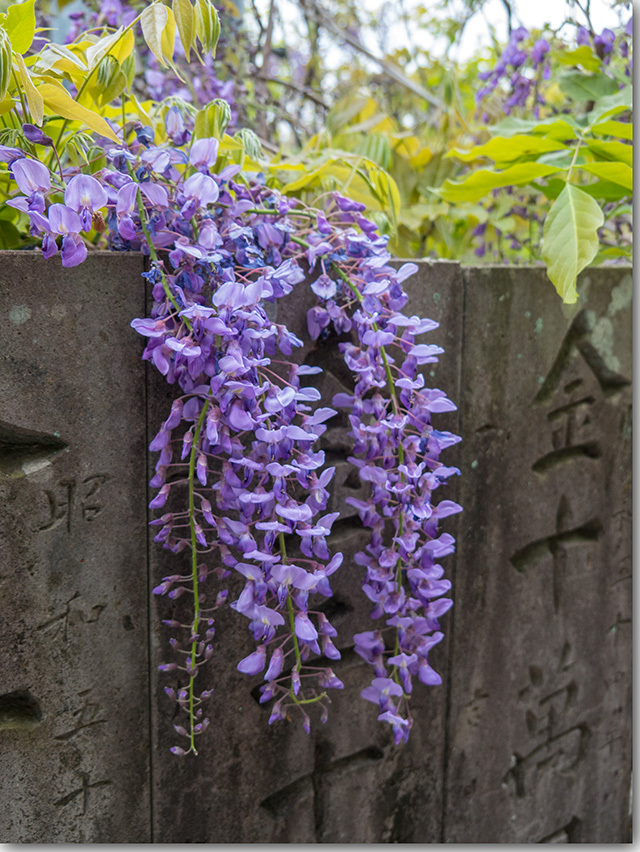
<point x="87" y="715"/>
<point x="81" y="793"/>
<point x="75" y="611"/>
<point x="72" y="500"/>
<point x="557" y="742"/>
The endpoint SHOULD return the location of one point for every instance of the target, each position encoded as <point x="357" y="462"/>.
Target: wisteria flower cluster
<point x="521" y="70"/>
<point x="241" y="485"/>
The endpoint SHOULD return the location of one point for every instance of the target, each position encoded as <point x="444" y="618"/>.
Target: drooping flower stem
<point x="194" y="570"/>
<point x="153" y="254"/>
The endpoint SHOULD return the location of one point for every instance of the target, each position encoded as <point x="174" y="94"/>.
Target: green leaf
<point x="505" y="150"/>
<point x="483" y="181"/>
<point x="186" y="20"/>
<point x="154" y="19"/>
<point x="553" y="128"/>
<point x="9" y="235"/>
<point x="612" y="105"/>
<point x="605" y="190"/>
<point x="582" y="55"/>
<point x="250" y="143"/>
<point x="212" y="120"/>
<point x="615" y="172"/>
<point x="570" y="239"/>
<point x="621" y="129"/>
<point x="20" y="25"/>
<point x="616" y="151"/>
<point x="207" y="26"/>
<point x="587" y="87"/>
<point x="613" y="252"/>
<point x="377" y="148"/>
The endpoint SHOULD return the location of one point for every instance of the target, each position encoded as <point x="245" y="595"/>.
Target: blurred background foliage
<point x="515" y="150"/>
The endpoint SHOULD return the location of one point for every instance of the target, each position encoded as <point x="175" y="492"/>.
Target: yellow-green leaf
<point x="482" y="181"/>
<point x="505" y="150"/>
<point x="123" y="47"/>
<point x="6" y="105"/>
<point x="606" y="190"/>
<point x="33" y="96"/>
<point x="168" y="37"/>
<point x="6" y="63"/>
<point x="570" y="239"/>
<point x="100" y="49"/>
<point x="587" y="87"/>
<point x="616" y="151"/>
<point x="552" y="128"/>
<point x="621" y="129"/>
<point x="615" y="172"/>
<point x="186" y="21"/>
<point x="582" y="55"/>
<point x="62" y="104"/>
<point x="154" y="19"/>
<point x="59" y="57"/>
<point x="20" y="25"/>
<point x="207" y="26"/>
<point x="212" y="120"/>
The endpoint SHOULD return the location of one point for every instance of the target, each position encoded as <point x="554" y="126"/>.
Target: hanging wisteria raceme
<point x="396" y="451"/>
<point x="241" y="486"/>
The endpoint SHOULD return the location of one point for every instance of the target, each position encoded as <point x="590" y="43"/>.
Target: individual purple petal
<point x="254" y="663"/>
<point x="204" y="152"/>
<point x="126" y="199"/>
<point x="31" y="176"/>
<point x="202" y="189"/>
<point x="63" y="220"/>
<point x="304" y="628"/>
<point x="35" y="134"/>
<point x="275" y="665"/>
<point x="73" y="251"/>
<point x="84" y="192"/>
<point x="155" y="194"/>
<point x="9" y="155"/>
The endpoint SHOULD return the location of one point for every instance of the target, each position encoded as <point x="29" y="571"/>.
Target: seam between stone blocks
<point x="149" y="579"/>
<point x="461" y="280"/>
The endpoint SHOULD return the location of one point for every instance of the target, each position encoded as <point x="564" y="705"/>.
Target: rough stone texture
<point x="528" y="739"/>
<point x="73" y="635"/>
<point x="540" y="703"/>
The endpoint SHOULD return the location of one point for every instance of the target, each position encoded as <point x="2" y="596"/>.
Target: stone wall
<point x="528" y="738"/>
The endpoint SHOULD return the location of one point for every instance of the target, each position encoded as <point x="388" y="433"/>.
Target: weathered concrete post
<point x="540" y="704"/>
<point x="74" y="735"/>
<point x="528" y="738"/>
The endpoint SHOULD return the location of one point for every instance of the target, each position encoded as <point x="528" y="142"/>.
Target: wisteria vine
<point x="241" y="486"/>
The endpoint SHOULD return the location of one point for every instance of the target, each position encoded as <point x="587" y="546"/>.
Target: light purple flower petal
<point x="31" y="176"/>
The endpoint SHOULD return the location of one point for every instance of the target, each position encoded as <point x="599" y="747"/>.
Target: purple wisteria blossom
<point x="241" y="482"/>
